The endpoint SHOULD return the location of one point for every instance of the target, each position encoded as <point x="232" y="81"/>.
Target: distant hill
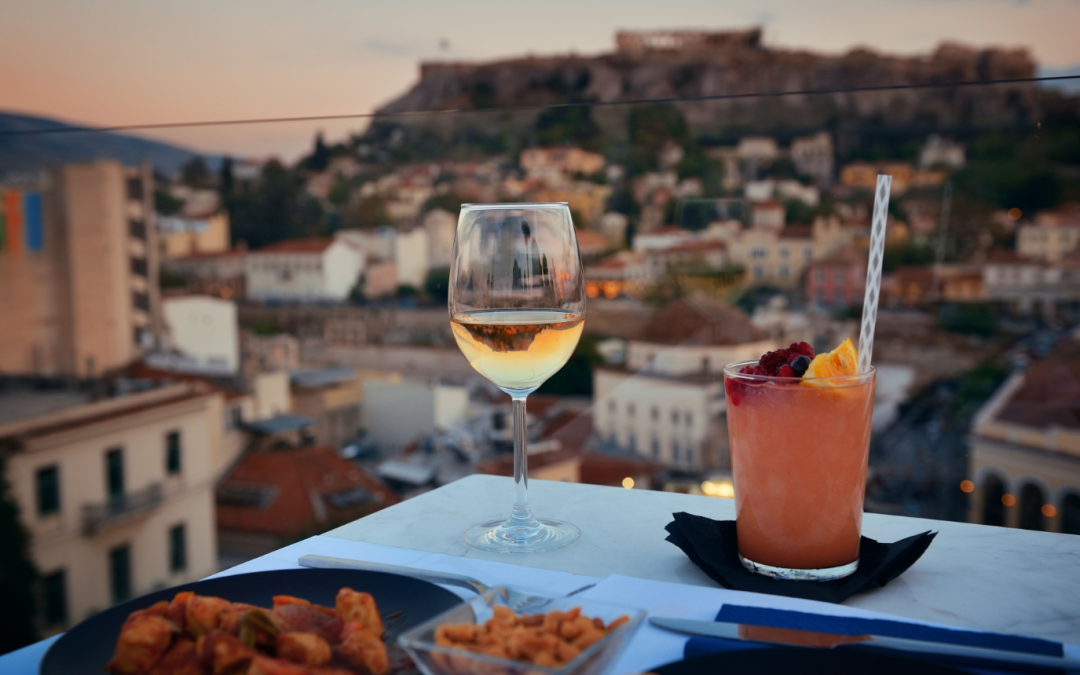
<point x="28" y="153"/>
<point x="663" y="64"/>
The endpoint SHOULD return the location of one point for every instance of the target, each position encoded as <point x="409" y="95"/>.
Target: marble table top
<point x="972" y="576"/>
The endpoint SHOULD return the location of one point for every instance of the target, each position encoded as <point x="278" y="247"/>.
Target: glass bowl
<point x="433" y="659"/>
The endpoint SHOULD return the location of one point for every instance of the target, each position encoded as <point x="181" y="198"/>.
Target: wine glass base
<point x="509" y="536"/>
<point x="825" y="574"/>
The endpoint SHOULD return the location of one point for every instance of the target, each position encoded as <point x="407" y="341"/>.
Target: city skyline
<point x="239" y="67"/>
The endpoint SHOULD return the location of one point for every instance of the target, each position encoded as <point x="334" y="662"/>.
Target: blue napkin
<point x="779" y="618"/>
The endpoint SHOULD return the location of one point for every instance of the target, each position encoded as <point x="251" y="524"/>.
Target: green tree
<point x="368" y="212"/>
<point x="225" y="177"/>
<point x="651" y="128"/>
<point x="575" y="378"/>
<point x="18" y="576"/>
<point x="968" y="318"/>
<point x="319" y="158"/>
<point x="437" y="284"/>
<point x="195" y="174"/>
<point x="276" y="208"/>
<point x="449" y="201"/>
<point x="166" y="204"/>
<point x="569" y="126"/>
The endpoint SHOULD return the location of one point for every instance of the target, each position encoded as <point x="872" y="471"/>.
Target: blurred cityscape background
<point x="207" y="355"/>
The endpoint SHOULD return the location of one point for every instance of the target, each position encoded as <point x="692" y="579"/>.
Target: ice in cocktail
<point x="799" y="426"/>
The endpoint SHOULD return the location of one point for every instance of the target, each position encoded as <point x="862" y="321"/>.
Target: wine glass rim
<point x="519" y="205"/>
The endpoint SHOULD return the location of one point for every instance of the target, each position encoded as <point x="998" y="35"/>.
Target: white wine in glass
<point x="517" y="309"/>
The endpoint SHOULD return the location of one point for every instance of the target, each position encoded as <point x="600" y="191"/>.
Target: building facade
<point x="79" y="267"/>
<point x="316" y="269"/>
<point x="117" y="495"/>
<point x="1024" y="467"/>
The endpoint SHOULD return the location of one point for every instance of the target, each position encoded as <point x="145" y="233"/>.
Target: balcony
<point x="122" y="509"/>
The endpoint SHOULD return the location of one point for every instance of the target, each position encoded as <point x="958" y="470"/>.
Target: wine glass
<point x="517" y="309"/>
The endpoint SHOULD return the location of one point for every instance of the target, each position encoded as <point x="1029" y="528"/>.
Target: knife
<point x="803" y="638"/>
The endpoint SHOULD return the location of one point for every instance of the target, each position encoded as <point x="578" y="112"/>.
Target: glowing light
<point x="1008" y="500"/>
<point x="723" y="489"/>
<point x="226" y="292"/>
<point x="1014" y="214"/>
<point x="967" y="486"/>
<point x="628" y="482"/>
<point x="1049" y="511"/>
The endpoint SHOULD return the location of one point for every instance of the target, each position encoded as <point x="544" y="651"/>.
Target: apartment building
<point x="667" y="403"/>
<point x="79" y="267"/>
<point x="315" y="269"/>
<point x="1024" y="466"/>
<point x="331" y="399"/>
<point x="556" y="163"/>
<point x="116" y="494"/>
<point x="1052" y="237"/>
<point x="220" y="274"/>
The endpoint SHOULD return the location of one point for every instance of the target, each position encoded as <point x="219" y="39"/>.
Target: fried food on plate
<point x="204" y="635"/>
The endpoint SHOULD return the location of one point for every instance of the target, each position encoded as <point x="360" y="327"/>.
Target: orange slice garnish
<point x="839" y="362"/>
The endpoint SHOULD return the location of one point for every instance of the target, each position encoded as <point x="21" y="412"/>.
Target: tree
<point x="320" y="155"/>
<point x="18" y="576"/>
<point x="448" y="201"/>
<point x="651" y="128"/>
<point x="368" y="212"/>
<point x="569" y="126"/>
<point x="225" y="179"/>
<point x="195" y="174"/>
<point x="437" y="284"/>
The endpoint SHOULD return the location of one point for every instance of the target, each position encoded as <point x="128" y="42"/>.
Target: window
<point x="54" y="599"/>
<point x="689" y="419"/>
<point x="141" y="301"/>
<point x="759" y="272"/>
<point x="675" y="452"/>
<point x="137" y="229"/>
<point x="1031" y="503"/>
<point x="114" y="473"/>
<point x="674" y="416"/>
<point x="655" y="449"/>
<point x="172" y="453"/>
<point x="611" y="406"/>
<point x="993" y="508"/>
<point x="809" y="253"/>
<point x="1070" y="513"/>
<point x="633" y="443"/>
<point x="839" y="276"/>
<point x="655" y="413"/>
<point x="784" y="251"/>
<point x="783" y="272"/>
<point x="120" y="573"/>
<point x="689" y="456"/>
<point x="177" y="549"/>
<point x="630" y="410"/>
<point x="138" y="266"/>
<point x="48" y="490"/>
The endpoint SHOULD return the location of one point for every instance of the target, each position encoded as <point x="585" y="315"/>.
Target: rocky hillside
<point x="690" y="63"/>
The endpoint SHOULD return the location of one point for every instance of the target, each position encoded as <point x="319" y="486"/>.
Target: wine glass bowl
<point x="517" y="310"/>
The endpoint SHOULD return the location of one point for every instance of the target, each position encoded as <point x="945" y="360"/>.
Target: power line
<point x="522" y="108"/>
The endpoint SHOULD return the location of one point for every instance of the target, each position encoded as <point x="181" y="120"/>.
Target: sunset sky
<point x="132" y="61"/>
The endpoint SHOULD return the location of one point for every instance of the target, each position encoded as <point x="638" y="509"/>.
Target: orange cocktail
<point x="798" y="451"/>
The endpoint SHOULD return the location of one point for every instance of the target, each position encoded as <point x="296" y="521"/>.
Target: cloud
<point x="387" y="48"/>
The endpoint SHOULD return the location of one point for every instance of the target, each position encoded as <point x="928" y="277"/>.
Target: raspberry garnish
<point x="785" y="371"/>
<point x="753" y="370"/>
<point x="773" y="360"/>
<point x="803" y="348"/>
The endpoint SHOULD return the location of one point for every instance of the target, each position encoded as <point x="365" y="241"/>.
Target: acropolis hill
<point x="661" y="64"/>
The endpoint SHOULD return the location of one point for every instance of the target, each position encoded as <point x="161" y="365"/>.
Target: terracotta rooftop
<point x="211" y="255"/>
<point x="591" y="241"/>
<point x="797" y="232"/>
<point x="595" y="468"/>
<point x="140" y="370"/>
<point x="1050" y="394"/>
<point x="700" y="321"/>
<point x="310" y="245"/>
<point x="295" y="492"/>
<point x="701" y="245"/>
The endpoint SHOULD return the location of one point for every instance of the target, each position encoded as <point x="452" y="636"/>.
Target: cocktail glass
<point x="799" y="449"/>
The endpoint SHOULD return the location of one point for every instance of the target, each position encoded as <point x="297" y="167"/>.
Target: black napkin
<point x="712" y="546"/>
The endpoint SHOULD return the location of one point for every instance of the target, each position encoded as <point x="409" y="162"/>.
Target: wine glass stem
<point x="521" y="462"/>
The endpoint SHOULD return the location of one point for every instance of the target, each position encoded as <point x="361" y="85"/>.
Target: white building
<point x="376" y="243"/>
<point x="397" y="412"/>
<point x="813" y="156"/>
<point x="938" y="151"/>
<point x="667" y="403"/>
<point x="202" y="330"/>
<point x="316" y="269"/>
<point x="411" y="256"/>
<point x="116" y="494"/>
<point x="441" y="227"/>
